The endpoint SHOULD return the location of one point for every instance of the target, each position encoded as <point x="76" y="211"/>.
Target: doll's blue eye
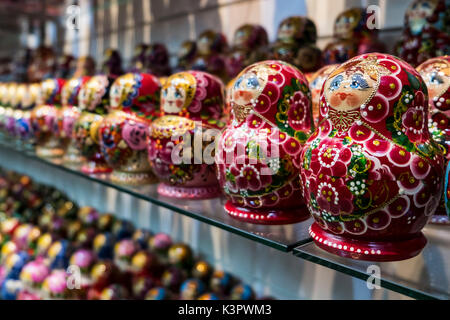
<point x="165" y="93"/>
<point x="238" y="83"/>
<point x="336" y="83"/>
<point x="358" y="82"/>
<point x="426" y="5"/>
<point x="252" y="83"/>
<point x="435" y="79"/>
<point x="177" y="94"/>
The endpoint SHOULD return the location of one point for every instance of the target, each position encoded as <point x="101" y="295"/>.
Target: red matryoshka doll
<point x="295" y="44"/>
<point x="258" y="157"/>
<point x="186" y="55"/>
<point x="133" y="104"/>
<point x="249" y="45"/>
<point x="44" y="116"/>
<point x="353" y="36"/>
<point x="192" y="106"/>
<point x="211" y="47"/>
<point x="436" y="74"/>
<point x="427" y="32"/>
<point x="371" y="174"/>
<point x="315" y="86"/>
<point x="93" y="100"/>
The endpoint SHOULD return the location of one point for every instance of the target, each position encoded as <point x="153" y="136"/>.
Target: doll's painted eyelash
<point x="336" y="83"/>
<point x="436" y="79"/>
<point x="358" y="82"/>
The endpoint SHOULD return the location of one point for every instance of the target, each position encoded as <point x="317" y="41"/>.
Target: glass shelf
<point x="426" y="276"/>
<point x="281" y="237"/>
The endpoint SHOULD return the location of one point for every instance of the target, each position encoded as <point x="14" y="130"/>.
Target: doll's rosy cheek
<point x="179" y="103"/>
<point x="335" y="100"/>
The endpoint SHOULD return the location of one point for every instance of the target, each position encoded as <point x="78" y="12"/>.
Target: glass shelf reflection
<point x="281" y="237"/>
<point x="426" y="276"/>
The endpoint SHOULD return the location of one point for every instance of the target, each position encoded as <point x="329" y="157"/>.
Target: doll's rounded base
<point x="94" y="167"/>
<point x="367" y="250"/>
<point x="207" y="192"/>
<point x="133" y="178"/>
<point x="267" y="216"/>
<point x="45" y="152"/>
<point x="440" y="219"/>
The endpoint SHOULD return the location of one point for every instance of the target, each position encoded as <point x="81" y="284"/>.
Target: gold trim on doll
<point x="168" y="126"/>
<point x="436" y="74"/>
<point x="178" y="93"/>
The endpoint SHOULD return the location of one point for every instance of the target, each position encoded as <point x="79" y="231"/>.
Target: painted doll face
<point x="178" y="92"/>
<point x="242" y="36"/>
<point x="92" y="92"/>
<point x="248" y="86"/>
<point x="345" y="23"/>
<point x="318" y="80"/>
<point x="120" y="90"/>
<point x="418" y="12"/>
<point x="348" y="87"/>
<point x="436" y="74"/>
<point x="288" y="29"/>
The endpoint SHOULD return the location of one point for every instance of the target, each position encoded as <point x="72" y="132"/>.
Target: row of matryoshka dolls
<point x="52" y="249"/>
<point x="370" y="174"/>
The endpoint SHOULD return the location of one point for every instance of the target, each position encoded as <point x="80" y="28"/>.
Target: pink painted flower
<point x="390" y="87"/>
<point x="399" y="156"/>
<point x="298" y="117"/>
<point x="419" y="167"/>
<point x="263" y="103"/>
<point x="250" y="178"/>
<point x="377" y="146"/>
<point x="414" y="120"/>
<point x="331" y="158"/>
<point x="360" y="133"/>
<point x="292" y="146"/>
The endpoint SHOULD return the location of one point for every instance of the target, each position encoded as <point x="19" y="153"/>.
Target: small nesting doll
<point x="44" y="116"/>
<point x="296" y="38"/>
<point x="23" y="124"/>
<point x="427" y="31"/>
<point x="258" y="158"/>
<point x="447" y="190"/>
<point x="315" y="85"/>
<point x="70" y="112"/>
<point x="353" y="36"/>
<point x="157" y="60"/>
<point x="192" y="106"/>
<point x="436" y="74"/>
<point x="93" y="100"/>
<point x="211" y="47"/>
<point x="186" y="55"/>
<point x="10" y="108"/>
<point x="249" y="45"/>
<point x="371" y="175"/>
<point x="139" y="57"/>
<point x="133" y="104"/>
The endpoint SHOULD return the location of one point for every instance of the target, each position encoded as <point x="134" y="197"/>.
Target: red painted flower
<point x="263" y="103"/>
<point x="414" y="120"/>
<point x="378" y="220"/>
<point x="399" y="156"/>
<point x="250" y="178"/>
<point x="331" y="158"/>
<point x="377" y="146"/>
<point x="292" y="146"/>
<point x="297" y="114"/>
<point x="360" y="133"/>
<point x="399" y="207"/>
<point x="376" y="110"/>
<point x="419" y="167"/>
<point x="333" y="196"/>
<point x="390" y="87"/>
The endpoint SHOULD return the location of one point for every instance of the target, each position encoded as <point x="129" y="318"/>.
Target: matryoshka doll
<point x="10" y="108"/>
<point x="23" y="124"/>
<point x="192" y="106"/>
<point x="133" y="104"/>
<point x="157" y="60"/>
<point x="186" y="55"/>
<point x="43" y="118"/>
<point x="371" y="174"/>
<point x="249" y="45"/>
<point x="296" y="38"/>
<point x="211" y="47"/>
<point x="315" y="85"/>
<point x="427" y="31"/>
<point x="436" y="74"/>
<point x="258" y="158"/>
<point x="138" y="60"/>
<point x="70" y="111"/>
<point x="353" y="35"/>
<point x="447" y="190"/>
<point x="93" y="100"/>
